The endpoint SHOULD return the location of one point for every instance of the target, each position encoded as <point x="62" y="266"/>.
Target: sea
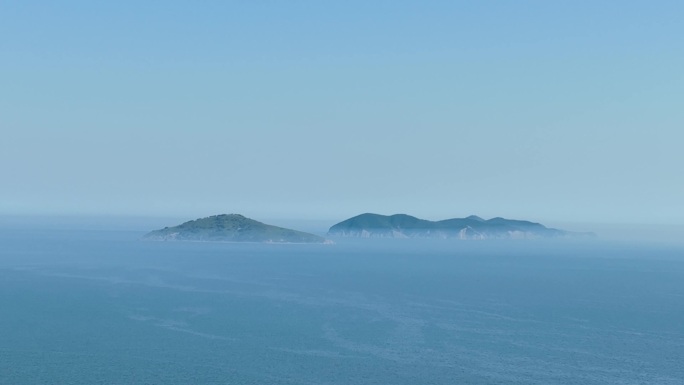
<point x="103" y="307"/>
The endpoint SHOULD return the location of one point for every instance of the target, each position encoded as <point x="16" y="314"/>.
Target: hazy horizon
<point x="631" y="232"/>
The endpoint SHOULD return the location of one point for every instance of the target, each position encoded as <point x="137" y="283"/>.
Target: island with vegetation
<point x="231" y="228"/>
<point x="472" y="227"/>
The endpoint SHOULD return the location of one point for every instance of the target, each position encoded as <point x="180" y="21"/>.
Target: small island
<point x="231" y="228"/>
<point x="472" y="227"/>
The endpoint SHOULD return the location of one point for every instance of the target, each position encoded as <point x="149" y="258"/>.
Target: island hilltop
<point x="231" y="228"/>
<point x="473" y="227"/>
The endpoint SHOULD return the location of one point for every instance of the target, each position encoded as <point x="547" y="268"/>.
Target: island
<point x="231" y="228"/>
<point x="473" y="227"/>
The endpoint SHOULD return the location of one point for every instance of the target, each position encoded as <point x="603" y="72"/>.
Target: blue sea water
<point x="102" y="307"/>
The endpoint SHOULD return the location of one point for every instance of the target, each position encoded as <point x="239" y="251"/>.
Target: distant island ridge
<point x="473" y="227"/>
<point x="238" y="228"/>
<point x="231" y="228"/>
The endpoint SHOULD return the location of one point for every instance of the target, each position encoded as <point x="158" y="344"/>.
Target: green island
<point x="231" y="228"/>
<point x="473" y="227"/>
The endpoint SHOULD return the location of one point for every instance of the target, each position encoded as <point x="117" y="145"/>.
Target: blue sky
<point x="551" y="111"/>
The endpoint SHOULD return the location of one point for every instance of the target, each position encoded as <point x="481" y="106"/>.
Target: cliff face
<point x="472" y="227"/>
<point x="231" y="228"/>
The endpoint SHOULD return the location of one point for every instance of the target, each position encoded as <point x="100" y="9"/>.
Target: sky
<point x="540" y="110"/>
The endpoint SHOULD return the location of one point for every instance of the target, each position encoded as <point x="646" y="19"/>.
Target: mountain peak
<point x="475" y="218"/>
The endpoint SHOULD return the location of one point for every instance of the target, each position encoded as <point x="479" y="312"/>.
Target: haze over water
<point x="84" y="307"/>
<point x="301" y="114"/>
